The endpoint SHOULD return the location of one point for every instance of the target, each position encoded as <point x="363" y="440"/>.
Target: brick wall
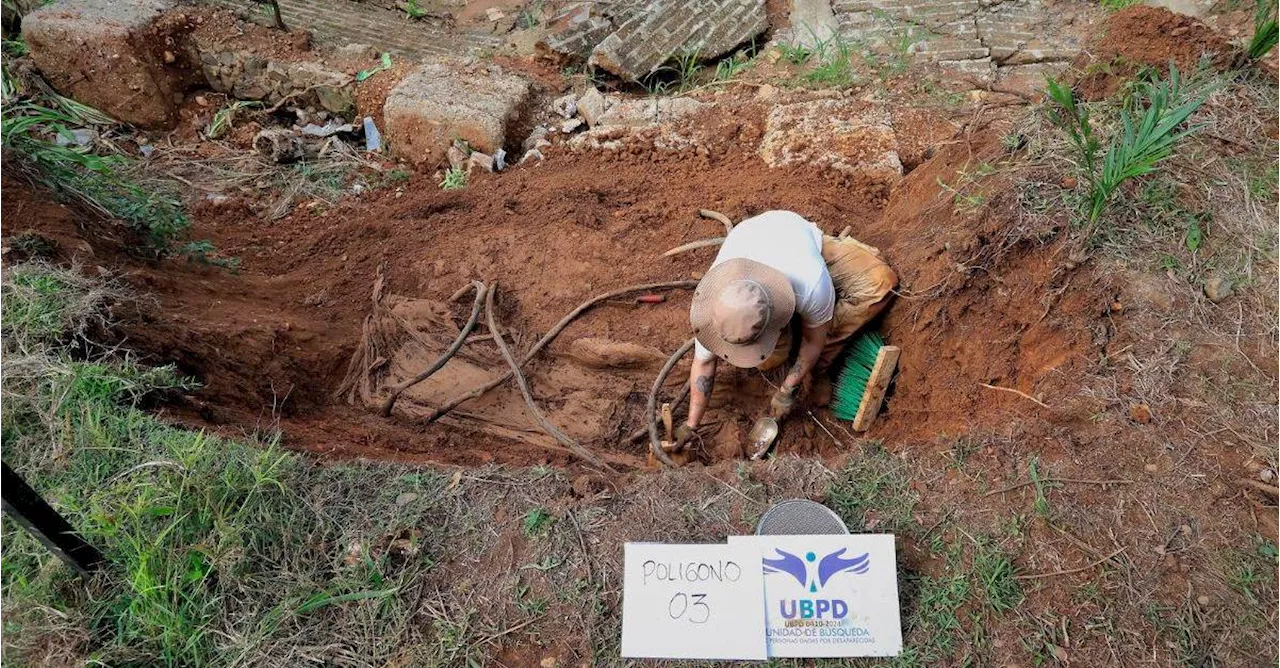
<point x="347" y="22"/>
<point x="671" y="28"/>
<point x="971" y="34"/>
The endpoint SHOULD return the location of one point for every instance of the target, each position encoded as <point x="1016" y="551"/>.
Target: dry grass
<point x="235" y="172"/>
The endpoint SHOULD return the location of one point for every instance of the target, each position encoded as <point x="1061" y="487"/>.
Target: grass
<point x="217" y="548"/>
<point x="29" y="131"/>
<point x="455" y="178"/>
<point x="875" y="495"/>
<point x="223" y="121"/>
<point x="1266" y="30"/>
<point x="676" y="76"/>
<point x="1117" y="5"/>
<point x="1151" y="127"/>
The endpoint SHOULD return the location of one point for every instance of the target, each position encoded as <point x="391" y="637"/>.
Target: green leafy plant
<point x="383" y="64"/>
<point x="204" y="252"/>
<point x="1266" y="31"/>
<point x="537" y="521"/>
<point x="30" y="130"/>
<point x="1117" y="5"/>
<point x="412" y="10"/>
<point x="454" y="179"/>
<point x="224" y="120"/>
<point x="1151" y="127"/>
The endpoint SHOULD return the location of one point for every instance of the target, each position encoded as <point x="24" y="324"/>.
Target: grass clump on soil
<point x="1151" y="128"/>
<point x="41" y="138"/>
<point x="875" y="495"/>
<point x="1266" y="30"/>
<point x="455" y="178"/>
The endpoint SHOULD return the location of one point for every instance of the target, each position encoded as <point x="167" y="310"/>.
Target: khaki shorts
<point x="863" y="283"/>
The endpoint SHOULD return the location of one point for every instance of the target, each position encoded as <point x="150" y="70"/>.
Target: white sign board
<point x="692" y="602"/>
<point x="829" y="596"/>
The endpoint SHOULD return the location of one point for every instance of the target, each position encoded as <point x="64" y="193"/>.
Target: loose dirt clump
<point x="213" y="27"/>
<point x="1153" y="37"/>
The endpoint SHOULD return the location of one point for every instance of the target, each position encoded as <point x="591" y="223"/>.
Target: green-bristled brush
<point x="868" y="368"/>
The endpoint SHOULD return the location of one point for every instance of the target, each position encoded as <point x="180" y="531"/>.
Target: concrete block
<point x="444" y="101"/>
<point x="850" y="136"/>
<point x="812" y="22"/>
<point x="106" y="54"/>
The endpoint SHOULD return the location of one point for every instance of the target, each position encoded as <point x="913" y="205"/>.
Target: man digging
<point x="771" y="268"/>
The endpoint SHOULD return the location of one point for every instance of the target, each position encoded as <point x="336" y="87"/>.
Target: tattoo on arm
<point x="704" y="383"/>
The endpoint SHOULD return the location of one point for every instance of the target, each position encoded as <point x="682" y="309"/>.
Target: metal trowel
<point x="761" y="437"/>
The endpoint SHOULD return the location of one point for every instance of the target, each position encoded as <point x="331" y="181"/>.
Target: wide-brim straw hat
<point x="768" y="318"/>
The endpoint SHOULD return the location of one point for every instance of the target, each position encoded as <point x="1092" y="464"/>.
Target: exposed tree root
<point x="575" y="447"/>
<point x="694" y="245"/>
<point x="396" y="391"/>
<point x="639" y="434"/>
<point x="549" y="336"/>
<point x="381" y="334"/>
<point x="652" y="409"/>
<point x="716" y="215"/>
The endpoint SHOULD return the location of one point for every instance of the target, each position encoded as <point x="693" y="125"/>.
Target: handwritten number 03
<point x="698" y="611"/>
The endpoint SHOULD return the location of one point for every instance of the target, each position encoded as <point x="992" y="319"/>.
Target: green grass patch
<point x="30" y="132"/>
<point x="875" y="486"/>
<point x="219" y="552"/>
<point x="537" y="521"/>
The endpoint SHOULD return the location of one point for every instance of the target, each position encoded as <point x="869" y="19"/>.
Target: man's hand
<point x="683" y="433"/>
<point x="783" y="401"/>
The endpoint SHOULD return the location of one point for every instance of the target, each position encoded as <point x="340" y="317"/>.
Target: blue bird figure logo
<point x="800" y="568"/>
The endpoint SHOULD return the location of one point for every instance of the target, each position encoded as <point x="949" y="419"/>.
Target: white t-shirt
<point x="787" y="242"/>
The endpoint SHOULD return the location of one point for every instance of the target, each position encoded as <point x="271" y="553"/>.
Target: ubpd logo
<point x="813" y="574"/>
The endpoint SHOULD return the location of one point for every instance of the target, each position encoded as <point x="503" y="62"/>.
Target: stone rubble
<point x="247" y="76"/>
<point x="848" y="135"/>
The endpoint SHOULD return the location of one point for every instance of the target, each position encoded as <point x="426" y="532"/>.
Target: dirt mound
<point x="1149" y="36"/>
<point x="1155" y="35"/>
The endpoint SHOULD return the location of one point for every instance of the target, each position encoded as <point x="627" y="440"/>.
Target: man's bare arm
<point x="812" y="341"/>
<point x="702" y="377"/>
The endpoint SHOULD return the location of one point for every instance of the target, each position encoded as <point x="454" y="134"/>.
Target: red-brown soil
<point x="1149" y="36"/>
<point x="981" y="301"/>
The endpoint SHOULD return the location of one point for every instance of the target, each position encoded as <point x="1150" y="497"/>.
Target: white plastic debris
<point x="333" y="127"/>
<point x="372" y="138"/>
